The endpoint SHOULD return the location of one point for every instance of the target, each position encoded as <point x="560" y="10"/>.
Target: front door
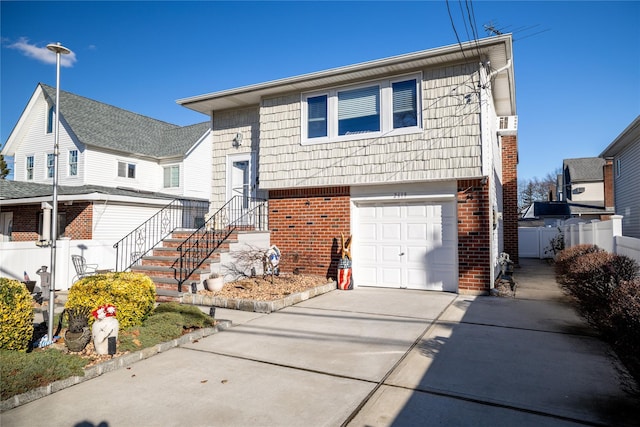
<point x="240" y="183"/>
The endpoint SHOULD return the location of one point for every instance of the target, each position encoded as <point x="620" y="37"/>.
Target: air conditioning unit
<point x="507" y="125"/>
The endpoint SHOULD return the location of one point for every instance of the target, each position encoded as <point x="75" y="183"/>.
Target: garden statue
<point x="344" y="266"/>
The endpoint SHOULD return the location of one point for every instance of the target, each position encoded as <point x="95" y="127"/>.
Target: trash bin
<point x="345" y="282"/>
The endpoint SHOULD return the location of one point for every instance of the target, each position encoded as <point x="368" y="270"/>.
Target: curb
<point x="110" y="365"/>
<point x="254" y="305"/>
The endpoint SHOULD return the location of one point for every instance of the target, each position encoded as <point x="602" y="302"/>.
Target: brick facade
<point x="306" y="224"/>
<point x="510" y="196"/>
<point x="78" y="218"/>
<point x="474" y="237"/>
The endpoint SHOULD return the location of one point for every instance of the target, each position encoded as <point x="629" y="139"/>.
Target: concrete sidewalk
<point x="369" y="357"/>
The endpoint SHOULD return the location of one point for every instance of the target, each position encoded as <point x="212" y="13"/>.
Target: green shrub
<point x="16" y="315"/>
<point x="133" y="295"/>
<point x="21" y="371"/>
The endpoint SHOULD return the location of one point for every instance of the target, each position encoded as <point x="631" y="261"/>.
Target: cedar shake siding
<point x="447" y="147"/>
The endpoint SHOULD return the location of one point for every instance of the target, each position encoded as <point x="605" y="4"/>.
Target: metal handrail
<point x="238" y="213"/>
<point x="180" y="213"/>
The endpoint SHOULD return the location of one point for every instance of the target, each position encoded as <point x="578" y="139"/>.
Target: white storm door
<point x="240" y="183"/>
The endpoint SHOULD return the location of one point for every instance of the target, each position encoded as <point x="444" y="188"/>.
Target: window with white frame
<point x="50" y="117"/>
<point x="383" y="107"/>
<point x="172" y="176"/>
<point x="73" y="162"/>
<point x="126" y="170"/>
<point x="29" y="168"/>
<point x="50" y="165"/>
<point x="618" y="168"/>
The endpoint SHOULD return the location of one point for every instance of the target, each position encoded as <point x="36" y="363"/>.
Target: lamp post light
<point x="59" y="50"/>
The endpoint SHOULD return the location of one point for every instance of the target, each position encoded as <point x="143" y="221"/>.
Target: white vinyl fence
<point x="535" y="242"/>
<point x="16" y="258"/>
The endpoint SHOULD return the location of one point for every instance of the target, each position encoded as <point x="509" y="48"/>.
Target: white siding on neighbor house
<point x="38" y="143"/>
<point x="195" y="171"/>
<point x="592" y="191"/>
<point x="226" y="125"/>
<point x="103" y="170"/>
<point x="627" y="189"/>
<point x="113" y="220"/>
<point x="449" y="146"/>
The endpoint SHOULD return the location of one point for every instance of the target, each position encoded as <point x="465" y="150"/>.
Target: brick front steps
<point x="257" y="306"/>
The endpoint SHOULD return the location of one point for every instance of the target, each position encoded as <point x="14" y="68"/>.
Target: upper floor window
<point x="73" y="163"/>
<point x="374" y="109"/>
<point x="50" y="168"/>
<point x="29" y="168"/>
<point x="172" y="176"/>
<point x="126" y="170"/>
<point x="50" y="116"/>
<point x="618" y="168"/>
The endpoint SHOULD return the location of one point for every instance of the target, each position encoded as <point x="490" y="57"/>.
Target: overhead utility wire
<point x="455" y="31"/>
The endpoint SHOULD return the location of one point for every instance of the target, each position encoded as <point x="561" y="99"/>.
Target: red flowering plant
<point x="104" y="311"/>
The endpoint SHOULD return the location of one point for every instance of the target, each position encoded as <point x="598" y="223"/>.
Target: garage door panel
<point x="368" y="232"/>
<point x="367" y="253"/>
<point x="416" y="255"/>
<point x="367" y="275"/>
<point x="391" y="254"/>
<point x="417" y="232"/>
<point x="391" y="231"/>
<point x="391" y="277"/>
<point x="390" y="211"/>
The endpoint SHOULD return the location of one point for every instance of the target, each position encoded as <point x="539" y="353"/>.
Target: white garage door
<point x="409" y="245"/>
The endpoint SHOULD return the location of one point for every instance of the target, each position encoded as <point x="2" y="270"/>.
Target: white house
<point x="115" y="170"/>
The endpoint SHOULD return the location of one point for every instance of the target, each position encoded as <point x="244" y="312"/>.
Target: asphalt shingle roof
<point x="105" y="126"/>
<point x="23" y="190"/>
<point x="587" y="169"/>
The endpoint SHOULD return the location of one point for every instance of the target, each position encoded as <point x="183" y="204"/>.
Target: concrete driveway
<point x="368" y="357"/>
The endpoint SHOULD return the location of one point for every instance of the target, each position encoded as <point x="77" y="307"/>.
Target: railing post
<point x="616" y="230"/>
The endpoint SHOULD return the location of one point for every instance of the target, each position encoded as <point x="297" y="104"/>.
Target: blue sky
<point x="577" y="64"/>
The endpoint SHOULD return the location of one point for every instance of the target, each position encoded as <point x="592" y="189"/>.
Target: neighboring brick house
<point x="624" y="153"/>
<point x="414" y="155"/>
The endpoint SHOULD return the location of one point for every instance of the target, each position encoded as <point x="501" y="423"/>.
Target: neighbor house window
<point x="172" y="176"/>
<point x="29" y="168"/>
<point x="50" y="116"/>
<point x="50" y="165"/>
<point x="374" y="109"/>
<point x="126" y="170"/>
<point x="73" y="163"/>
<point x="618" y="168"/>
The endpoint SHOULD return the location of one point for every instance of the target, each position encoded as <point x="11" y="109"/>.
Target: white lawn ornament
<point x="271" y="260"/>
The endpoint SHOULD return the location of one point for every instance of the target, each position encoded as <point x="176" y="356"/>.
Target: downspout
<point x="486" y="159"/>
<point x="484" y="112"/>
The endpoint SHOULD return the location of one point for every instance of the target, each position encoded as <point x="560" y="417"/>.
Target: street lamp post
<point x="59" y="50"/>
